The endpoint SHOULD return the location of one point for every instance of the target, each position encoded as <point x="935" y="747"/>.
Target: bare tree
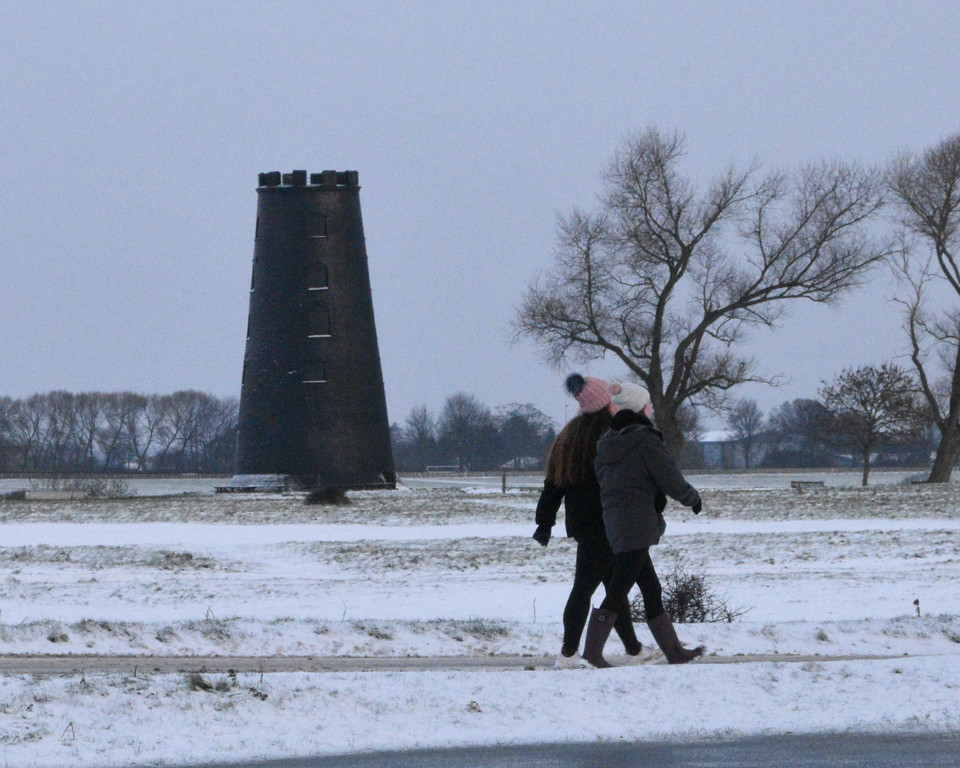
<point x="90" y="415"/>
<point x="8" y="447"/>
<point x="120" y="413"/>
<point x="216" y="444"/>
<point x="416" y="442"/>
<point x="143" y="431"/>
<point x="794" y="437"/>
<point x="869" y="407"/>
<point x="465" y="429"/>
<point x="526" y="433"/>
<point x="927" y="190"/>
<point x="27" y="427"/>
<point x="421" y="426"/>
<point x="745" y="420"/>
<point x="667" y="278"/>
<point x="196" y="432"/>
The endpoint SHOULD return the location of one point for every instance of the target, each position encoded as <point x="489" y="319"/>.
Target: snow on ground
<point x="452" y="571"/>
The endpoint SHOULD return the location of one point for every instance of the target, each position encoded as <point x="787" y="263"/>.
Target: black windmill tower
<point x="312" y="403"/>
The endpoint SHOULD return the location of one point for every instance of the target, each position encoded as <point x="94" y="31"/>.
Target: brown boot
<point x="598" y="630"/>
<point x="666" y="636"/>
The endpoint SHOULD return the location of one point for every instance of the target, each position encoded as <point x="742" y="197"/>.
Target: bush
<point x="688" y="599"/>
<point x="327" y="496"/>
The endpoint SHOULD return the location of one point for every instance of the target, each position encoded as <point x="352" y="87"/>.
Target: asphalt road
<point x="848" y="750"/>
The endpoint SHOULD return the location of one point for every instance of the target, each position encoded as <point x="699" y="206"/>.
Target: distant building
<point x="719" y="449"/>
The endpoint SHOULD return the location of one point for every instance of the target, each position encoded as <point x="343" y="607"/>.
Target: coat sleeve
<point x="549" y="503"/>
<point x="666" y="474"/>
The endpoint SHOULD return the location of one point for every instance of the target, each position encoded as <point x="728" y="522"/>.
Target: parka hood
<point x="626" y="431"/>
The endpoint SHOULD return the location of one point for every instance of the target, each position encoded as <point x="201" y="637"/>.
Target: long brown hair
<point x="572" y="454"/>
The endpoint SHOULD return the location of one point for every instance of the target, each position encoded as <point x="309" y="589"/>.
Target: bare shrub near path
<point x="687" y="598"/>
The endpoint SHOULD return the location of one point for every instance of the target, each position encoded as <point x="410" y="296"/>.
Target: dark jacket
<point x="635" y="470"/>
<point x="584" y="516"/>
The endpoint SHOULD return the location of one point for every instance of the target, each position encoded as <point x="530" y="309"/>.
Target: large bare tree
<point x="926" y="188"/>
<point x="667" y="278"/>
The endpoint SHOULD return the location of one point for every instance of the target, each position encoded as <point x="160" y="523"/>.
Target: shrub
<point x="325" y="496"/>
<point x="688" y="599"/>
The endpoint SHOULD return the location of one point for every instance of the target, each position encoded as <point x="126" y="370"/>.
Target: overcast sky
<point x="133" y="133"/>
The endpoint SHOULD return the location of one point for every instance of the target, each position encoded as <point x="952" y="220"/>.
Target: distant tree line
<point x="467" y="435"/>
<point x="864" y="417"/>
<point x="867" y="416"/>
<point x="64" y="432"/>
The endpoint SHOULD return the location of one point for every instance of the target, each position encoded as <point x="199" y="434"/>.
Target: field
<point x="446" y="567"/>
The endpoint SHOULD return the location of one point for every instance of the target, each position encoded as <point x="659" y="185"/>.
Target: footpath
<point x="92" y="664"/>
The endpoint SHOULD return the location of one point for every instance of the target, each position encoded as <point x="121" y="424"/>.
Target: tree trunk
<point x="673" y="437"/>
<point x="866" y="469"/>
<point x="946" y="457"/>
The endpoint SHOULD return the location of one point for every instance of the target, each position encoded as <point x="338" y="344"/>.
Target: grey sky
<point x="132" y="135"/>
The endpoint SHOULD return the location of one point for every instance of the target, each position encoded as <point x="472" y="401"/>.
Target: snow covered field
<point x="448" y="569"/>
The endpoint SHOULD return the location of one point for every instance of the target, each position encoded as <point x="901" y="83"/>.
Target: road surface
<point x="846" y="750"/>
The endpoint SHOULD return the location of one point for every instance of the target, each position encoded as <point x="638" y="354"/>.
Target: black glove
<point x="542" y="534"/>
<point x="697" y="505"/>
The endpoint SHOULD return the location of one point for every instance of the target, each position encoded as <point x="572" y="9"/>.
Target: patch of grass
<point x="484" y="629"/>
<point x="173" y="561"/>
<point x="481" y="629"/>
<point x="197" y="682"/>
<point x="374" y="631"/>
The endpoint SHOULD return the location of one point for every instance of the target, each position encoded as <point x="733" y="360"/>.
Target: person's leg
<point x="659" y="621"/>
<point x="603" y="618"/>
<point x="624" y="623"/>
<point x="586" y="579"/>
<point x="649" y="584"/>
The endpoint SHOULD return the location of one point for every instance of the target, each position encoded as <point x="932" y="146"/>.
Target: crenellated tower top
<point x="324" y="179"/>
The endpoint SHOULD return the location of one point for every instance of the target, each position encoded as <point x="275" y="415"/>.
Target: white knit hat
<point x="629" y="397"/>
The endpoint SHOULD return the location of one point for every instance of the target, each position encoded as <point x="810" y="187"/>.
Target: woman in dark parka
<point x="636" y="474"/>
<point x="570" y="479"/>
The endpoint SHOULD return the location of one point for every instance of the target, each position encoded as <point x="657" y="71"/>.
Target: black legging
<point x="595" y="563"/>
<point x="631" y="568"/>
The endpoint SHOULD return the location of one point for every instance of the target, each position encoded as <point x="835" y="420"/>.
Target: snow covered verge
<point x="926" y="636"/>
<point x="119" y="720"/>
<point x="838" y="572"/>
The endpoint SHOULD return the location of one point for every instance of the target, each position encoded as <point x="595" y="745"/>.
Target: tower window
<point x="317" y="278"/>
<point x="315" y="224"/>
<point x="314" y="372"/>
<point x="318" y="321"/>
